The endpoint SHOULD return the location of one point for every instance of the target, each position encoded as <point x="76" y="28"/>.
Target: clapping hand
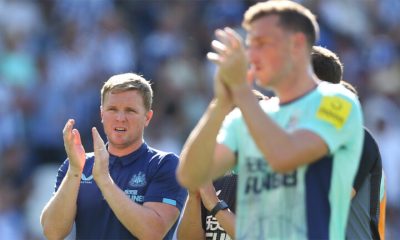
<point x="74" y="148"/>
<point x="100" y="170"/>
<point x="230" y="57"/>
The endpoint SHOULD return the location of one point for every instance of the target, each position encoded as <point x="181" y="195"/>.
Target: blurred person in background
<point x="209" y="213"/>
<point x="367" y="213"/>
<point x="368" y="205"/>
<point x="15" y="188"/>
<point x="125" y="189"/>
<point x="286" y="145"/>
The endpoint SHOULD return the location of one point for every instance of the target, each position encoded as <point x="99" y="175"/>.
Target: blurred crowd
<point x="55" y="56"/>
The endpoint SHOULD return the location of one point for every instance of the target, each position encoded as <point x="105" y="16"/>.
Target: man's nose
<point x="121" y="116"/>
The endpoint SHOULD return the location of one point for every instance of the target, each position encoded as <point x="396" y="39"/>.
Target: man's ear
<point x="299" y="45"/>
<point x="148" y="116"/>
<point x="299" y="41"/>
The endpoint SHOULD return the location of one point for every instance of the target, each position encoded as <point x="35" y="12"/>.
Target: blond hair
<point x="292" y="17"/>
<point x="128" y="82"/>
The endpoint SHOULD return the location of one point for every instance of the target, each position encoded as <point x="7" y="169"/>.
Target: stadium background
<point x="55" y="55"/>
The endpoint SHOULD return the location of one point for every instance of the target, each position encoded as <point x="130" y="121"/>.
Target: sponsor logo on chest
<point x="86" y="180"/>
<point x="138" y="180"/>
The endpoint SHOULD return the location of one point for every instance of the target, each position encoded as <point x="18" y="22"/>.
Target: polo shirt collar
<point x="131" y="157"/>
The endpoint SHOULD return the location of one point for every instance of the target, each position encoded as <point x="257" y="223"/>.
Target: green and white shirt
<point x="313" y="201"/>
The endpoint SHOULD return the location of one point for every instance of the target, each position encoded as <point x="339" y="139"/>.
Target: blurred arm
<point x="200" y="161"/>
<point x="284" y="151"/>
<point x="190" y="226"/>
<point x="225" y="217"/>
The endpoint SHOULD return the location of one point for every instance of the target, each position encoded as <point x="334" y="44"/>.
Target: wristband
<point x="221" y="205"/>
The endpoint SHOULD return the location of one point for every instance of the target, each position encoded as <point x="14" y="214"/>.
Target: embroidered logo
<point x="138" y="180"/>
<point x="85" y="179"/>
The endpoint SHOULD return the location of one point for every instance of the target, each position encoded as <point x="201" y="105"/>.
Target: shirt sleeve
<point x="163" y="185"/>
<point x="227" y="133"/>
<point x="62" y="171"/>
<point x="336" y="119"/>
